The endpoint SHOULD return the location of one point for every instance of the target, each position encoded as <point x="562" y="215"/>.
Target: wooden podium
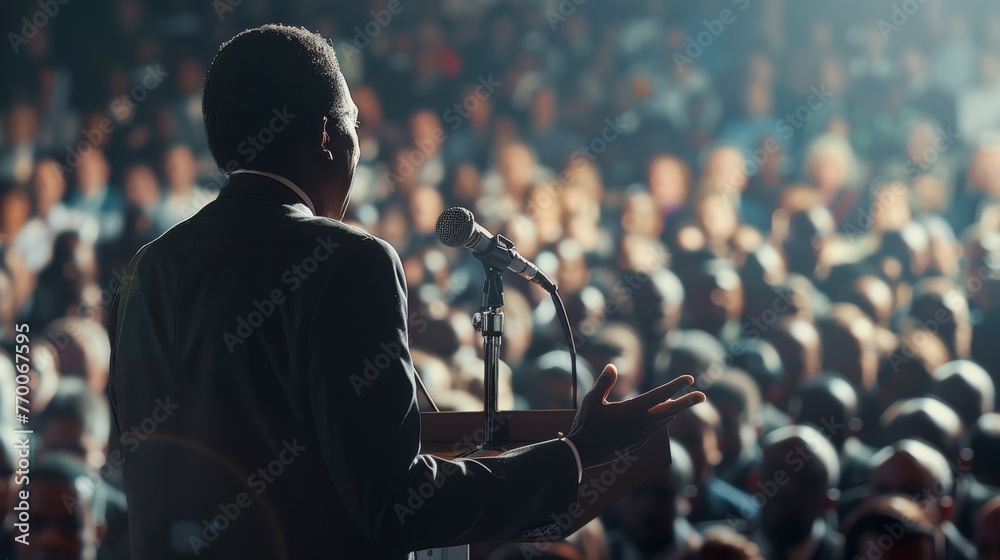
<point x="450" y="434"/>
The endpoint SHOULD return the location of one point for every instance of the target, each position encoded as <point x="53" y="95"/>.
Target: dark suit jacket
<point x="262" y="382"/>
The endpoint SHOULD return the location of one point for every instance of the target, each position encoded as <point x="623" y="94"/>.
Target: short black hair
<point x="267" y="72"/>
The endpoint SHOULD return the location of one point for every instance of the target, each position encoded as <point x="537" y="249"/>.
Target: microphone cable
<point x="568" y="332"/>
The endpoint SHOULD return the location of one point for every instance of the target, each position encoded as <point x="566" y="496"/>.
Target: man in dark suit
<point x="260" y="372"/>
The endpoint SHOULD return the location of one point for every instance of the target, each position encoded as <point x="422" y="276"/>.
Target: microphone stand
<point x="488" y="321"/>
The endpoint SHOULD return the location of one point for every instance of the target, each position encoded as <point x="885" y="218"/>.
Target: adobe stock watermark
<point x="900" y="16"/>
<point x="133" y="438"/>
<point x="713" y="29"/>
<point x="130" y="441"/>
<point x="927" y="500"/>
<point x="365" y="34"/>
<point x="255" y="143"/>
<point x="887" y="194"/>
<point x="31" y="26"/>
<point x="375" y="366"/>
<point x="621" y="292"/>
<point x="455" y="116"/>
<point x="418" y="496"/>
<point x="590" y="491"/>
<point x="293" y="278"/>
<point x="615" y="127"/>
<point x="258" y="481"/>
<point x="785" y="128"/>
<point x="125" y="103"/>
<point x="564" y="9"/>
<point x="252" y="146"/>
<point x="944" y="140"/>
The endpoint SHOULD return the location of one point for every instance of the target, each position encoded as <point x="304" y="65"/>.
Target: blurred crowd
<point x="797" y="203"/>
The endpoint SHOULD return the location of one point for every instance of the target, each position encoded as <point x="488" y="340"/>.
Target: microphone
<point x="457" y="227"/>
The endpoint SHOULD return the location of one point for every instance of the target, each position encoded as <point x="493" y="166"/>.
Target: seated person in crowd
<point x="715" y="499"/>
<point x="829" y="404"/>
<point x="653" y="519"/>
<point x="797" y="488"/>
<point x="892" y="528"/>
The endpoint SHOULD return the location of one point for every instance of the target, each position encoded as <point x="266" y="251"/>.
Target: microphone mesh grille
<point x="455" y="226"/>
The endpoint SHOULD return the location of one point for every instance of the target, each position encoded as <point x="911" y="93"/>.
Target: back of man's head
<point x="265" y="91"/>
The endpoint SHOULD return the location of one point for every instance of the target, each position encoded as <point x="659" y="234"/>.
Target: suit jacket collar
<point x="259" y="187"/>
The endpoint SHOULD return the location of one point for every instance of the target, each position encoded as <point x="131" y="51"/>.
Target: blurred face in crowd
<point x="480" y="112"/>
<point x="988" y="531"/>
<point x="426" y="132"/>
<point x="669" y="182"/>
<point x="58" y="532"/>
<point x="15" y="210"/>
<point x="716" y="219"/>
<point x="190" y="76"/>
<point x="467" y="185"/>
<point x="828" y="171"/>
<point x="22" y="124"/>
<point x="648" y="514"/>
<point x="573" y="272"/>
<point x="697" y="430"/>
<point x="425" y="207"/>
<point x="44" y="376"/>
<point x="577" y="200"/>
<point x="542" y="205"/>
<point x="759" y="100"/>
<point x="584" y="175"/>
<point x="907" y="373"/>
<point x="911" y="547"/>
<point x="787" y="517"/>
<point x="938" y="305"/>
<point x="798" y="344"/>
<point x="988" y="69"/>
<point x="848" y="338"/>
<point x="904" y="475"/>
<point x="543" y="109"/>
<point x="874" y="297"/>
<point x="715" y="297"/>
<point x="920" y="144"/>
<point x="724" y="170"/>
<point x="180" y="169"/>
<point x="517" y="167"/>
<point x="639" y="216"/>
<point x="809" y="234"/>
<point x="369" y="107"/>
<point x="141" y="187"/>
<point x="394" y="226"/>
<point x="930" y="193"/>
<point x="49" y="185"/>
<point x="92" y="172"/>
<point x="890" y="209"/>
<point x="523" y="232"/>
<point x="984" y="170"/>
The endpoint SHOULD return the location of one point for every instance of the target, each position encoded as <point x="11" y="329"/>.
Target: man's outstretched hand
<point x="602" y="428"/>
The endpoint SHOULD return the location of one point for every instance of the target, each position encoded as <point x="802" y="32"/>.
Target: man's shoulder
<point x="361" y="242"/>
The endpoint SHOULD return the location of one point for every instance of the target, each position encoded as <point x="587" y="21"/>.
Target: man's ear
<point x="325" y="141"/>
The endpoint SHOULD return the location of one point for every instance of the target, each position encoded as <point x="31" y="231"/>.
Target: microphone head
<point x="455" y="226"/>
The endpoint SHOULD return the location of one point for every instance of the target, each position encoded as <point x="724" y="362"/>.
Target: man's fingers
<point x="676" y="406"/>
<point x="655" y="396"/>
<point x="604" y="383"/>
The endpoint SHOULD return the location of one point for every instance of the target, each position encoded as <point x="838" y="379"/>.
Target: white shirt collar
<point x="284" y="181"/>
